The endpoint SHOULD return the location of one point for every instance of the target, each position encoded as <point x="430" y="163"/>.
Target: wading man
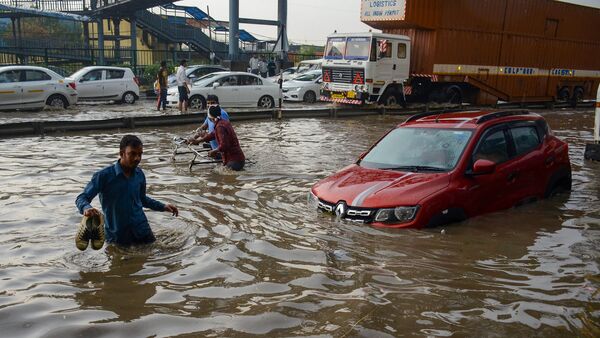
<point x="229" y="146"/>
<point x="209" y="126"/>
<point x="122" y="189"/>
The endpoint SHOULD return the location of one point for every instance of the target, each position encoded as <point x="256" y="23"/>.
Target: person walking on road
<point x="163" y="85"/>
<point x="272" y="67"/>
<point x="183" y="83"/>
<point x="122" y="190"/>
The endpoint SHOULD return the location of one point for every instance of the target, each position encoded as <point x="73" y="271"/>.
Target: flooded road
<point x="246" y="257"/>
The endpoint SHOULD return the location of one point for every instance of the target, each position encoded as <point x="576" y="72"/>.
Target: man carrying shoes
<point x="122" y="189"/>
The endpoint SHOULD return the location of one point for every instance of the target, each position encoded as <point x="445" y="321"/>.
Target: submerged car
<point x="306" y="87"/>
<point x="31" y="87"/>
<point x="439" y="168"/>
<point x="234" y="89"/>
<point x="99" y="83"/>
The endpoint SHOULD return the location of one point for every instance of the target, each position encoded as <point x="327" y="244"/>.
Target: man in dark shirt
<point x="163" y="85"/>
<point x="122" y="189"/>
<point x="229" y="146"/>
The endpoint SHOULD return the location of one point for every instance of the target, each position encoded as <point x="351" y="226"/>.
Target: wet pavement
<point x="247" y="258"/>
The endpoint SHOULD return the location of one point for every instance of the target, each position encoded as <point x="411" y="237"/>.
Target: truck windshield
<point x="335" y="48"/>
<point x="418" y="149"/>
<point x="358" y="48"/>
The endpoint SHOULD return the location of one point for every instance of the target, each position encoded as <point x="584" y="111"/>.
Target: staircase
<point x="192" y="36"/>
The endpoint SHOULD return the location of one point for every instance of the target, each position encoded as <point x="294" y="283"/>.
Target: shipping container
<point x="507" y="50"/>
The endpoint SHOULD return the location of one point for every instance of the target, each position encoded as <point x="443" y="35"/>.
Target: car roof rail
<point x="431" y="113"/>
<point x="499" y="114"/>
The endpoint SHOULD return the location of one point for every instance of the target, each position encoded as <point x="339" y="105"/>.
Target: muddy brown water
<point x="247" y="258"/>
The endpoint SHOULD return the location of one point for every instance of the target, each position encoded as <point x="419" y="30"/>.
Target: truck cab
<point x="363" y="68"/>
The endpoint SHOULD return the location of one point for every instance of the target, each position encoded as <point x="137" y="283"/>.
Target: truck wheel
<point x="453" y="95"/>
<point x="563" y="94"/>
<point x="389" y="98"/>
<point x="577" y="97"/>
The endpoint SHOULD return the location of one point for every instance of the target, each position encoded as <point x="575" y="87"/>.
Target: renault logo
<point x="340" y="209"/>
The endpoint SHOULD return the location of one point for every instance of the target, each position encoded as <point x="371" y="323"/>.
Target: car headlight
<point x="396" y="215"/>
<point x="312" y="200"/>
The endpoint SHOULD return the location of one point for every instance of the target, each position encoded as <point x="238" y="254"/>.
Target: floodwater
<point x="247" y="258"/>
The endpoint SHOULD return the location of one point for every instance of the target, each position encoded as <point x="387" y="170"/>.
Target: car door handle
<point x="394" y="68"/>
<point x="512" y="176"/>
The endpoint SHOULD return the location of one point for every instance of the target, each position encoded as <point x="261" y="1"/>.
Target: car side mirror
<point x="82" y="80"/>
<point x="216" y="84"/>
<point x="483" y="167"/>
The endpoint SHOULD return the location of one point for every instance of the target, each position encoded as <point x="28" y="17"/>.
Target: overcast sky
<point x="309" y="21"/>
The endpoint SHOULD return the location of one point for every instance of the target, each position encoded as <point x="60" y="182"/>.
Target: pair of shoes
<point x="90" y="229"/>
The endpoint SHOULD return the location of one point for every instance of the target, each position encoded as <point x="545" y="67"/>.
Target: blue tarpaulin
<point x="38" y="12"/>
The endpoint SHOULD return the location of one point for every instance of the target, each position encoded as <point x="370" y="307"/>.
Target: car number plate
<point x="338" y="96"/>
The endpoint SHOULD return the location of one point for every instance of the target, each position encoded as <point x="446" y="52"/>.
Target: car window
<point x="493" y="148"/>
<point x="247" y="80"/>
<point x="229" y="81"/>
<point x="418" y="147"/>
<point x="112" y="74"/>
<point x="36" y="75"/>
<point x="526" y="139"/>
<point x="94" y="75"/>
<point x="10" y="76"/>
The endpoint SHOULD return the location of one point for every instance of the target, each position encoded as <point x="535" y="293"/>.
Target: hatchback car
<point x="234" y="89"/>
<point x="439" y="168"/>
<point x="196" y="72"/>
<point x="99" y="83"/>
<point x="30" y="87"/>
<point x="305" y="87"/>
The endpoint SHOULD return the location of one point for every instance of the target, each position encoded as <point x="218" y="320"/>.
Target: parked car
<point x="438" y="168"/>
<point x="100" y="83"/>
<point x="302" y="67"/>
<point x="196" y="72"/>
<point x="30" y="87"/>
<point x="234" y="89"/>
<point x="305" y="87"/>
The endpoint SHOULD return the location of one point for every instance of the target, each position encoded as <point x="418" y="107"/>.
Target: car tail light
<point x="369" y="81"/>
<point x="73" y="85"/>
<point x="137" y="81"/>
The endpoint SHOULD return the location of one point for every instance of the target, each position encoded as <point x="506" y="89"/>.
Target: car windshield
<point x="308" y="77"/>
<point x="335" y="48"/>
<point x="418" y="149"/>
<point x="358" y="48"/>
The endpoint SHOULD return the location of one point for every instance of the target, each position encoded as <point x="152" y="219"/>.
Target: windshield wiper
<point x="416" y="168"/>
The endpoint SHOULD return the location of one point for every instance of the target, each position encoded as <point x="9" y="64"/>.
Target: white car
<point x="196" y="72"/>
<point x="305" y="87"/>
<point x="303" y="67"/>
<point x="30" y="87"/>
<point x="234" y="89"/>
<point x="99" y="83"/>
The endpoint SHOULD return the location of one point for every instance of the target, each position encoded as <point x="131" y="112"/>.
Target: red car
<point x="439" y="168"/>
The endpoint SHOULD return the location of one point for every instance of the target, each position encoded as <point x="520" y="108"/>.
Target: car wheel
<point x="197" y="102"/>
<point x="266" y="102"/>
<point x="389" y="98"/>
<point x="129" y="98"/>
<point x="57" y="101"/>
<point x="310" y="97"/>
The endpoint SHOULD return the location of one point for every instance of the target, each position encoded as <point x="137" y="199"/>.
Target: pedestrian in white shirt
<point x="253" y="63"/>
<point x="183" y="86"/>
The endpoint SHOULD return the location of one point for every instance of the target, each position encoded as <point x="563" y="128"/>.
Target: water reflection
<point x="246" y="257"/>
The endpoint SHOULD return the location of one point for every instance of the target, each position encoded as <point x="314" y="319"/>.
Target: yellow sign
<point x="338" y="96"/>
<point x="351" y="95"/>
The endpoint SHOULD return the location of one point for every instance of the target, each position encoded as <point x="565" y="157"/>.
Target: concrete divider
<point x="49" y="127"/>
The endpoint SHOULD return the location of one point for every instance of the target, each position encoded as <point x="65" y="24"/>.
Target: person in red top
<point x="229" y="146"/>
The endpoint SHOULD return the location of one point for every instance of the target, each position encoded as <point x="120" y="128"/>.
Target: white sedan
<point x="30" y="87"/>
<point x="234" y="89"/>
<point x="305" y="87"/>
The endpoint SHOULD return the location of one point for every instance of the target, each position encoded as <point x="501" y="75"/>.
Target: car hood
<point x="375" y="188"/>
<point x="294" y="83"/>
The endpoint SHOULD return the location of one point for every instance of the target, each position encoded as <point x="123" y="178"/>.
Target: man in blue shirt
<point x="209" y="126"/>
<point x="122" y="189"/>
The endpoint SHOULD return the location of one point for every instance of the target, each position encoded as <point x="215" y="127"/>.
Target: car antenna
<point x="437" y="118"/>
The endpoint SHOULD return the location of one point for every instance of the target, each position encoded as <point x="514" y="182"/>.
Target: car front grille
<point x="353" y="214"/>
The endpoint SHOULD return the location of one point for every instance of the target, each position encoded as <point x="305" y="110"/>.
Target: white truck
<point x="363" y="68"/>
